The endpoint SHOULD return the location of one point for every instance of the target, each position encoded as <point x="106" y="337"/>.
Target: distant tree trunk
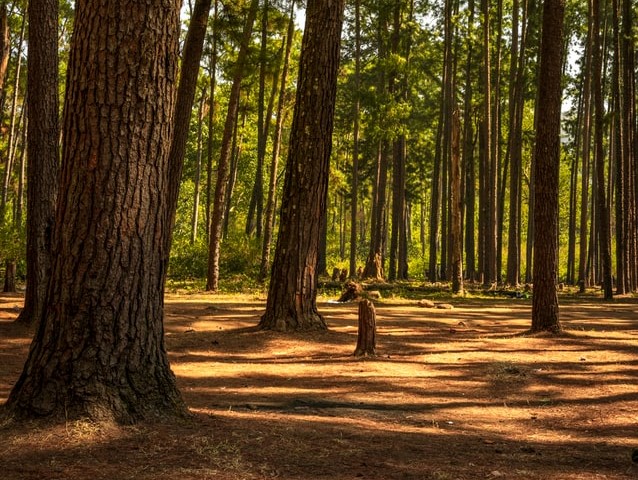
<point x="599" y="155"/>
<point x="291" y="303"/>
<point x="583" y="279"/>
<point x="354" y="188"/>
<point x="435" y="204"/>
<point x="189" y="71"/>
<point x="99" y="349"/>
<point x="456" y="203"/>
<point x="22" y="179"/>
<point x="43" y="154"/>
<point x="468" y="154"/>
<point x="5" y="45"/>
<point x="254" y="218"/>
<point x="221" y="185"/>
<point x="211" y="119"/>
<point x="236" y="149"/>
<point x="272" y="186"/>
<point x="11" y="140"/>
<point x="374" y="261"/>
<point x="547" y="160"/>
<point x="198" y="169"/>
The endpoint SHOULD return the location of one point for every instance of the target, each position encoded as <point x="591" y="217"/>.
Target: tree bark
<point x="99" y="350"/>
<point x="42" y="152"/>
<point x="456" y="203"/>
<point x="354" y="189"/>
<point x="292" y="294"/>
<point x="545" y="315"/>
<point x="5" y="45"/>
<point x="9" y="276"/>
<point x="221" y="184"/>
<point x="367" y="333"/>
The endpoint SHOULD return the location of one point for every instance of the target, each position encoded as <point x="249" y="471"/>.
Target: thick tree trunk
<point x="221" y="185"/>
<point x="42" y="153"/>
<point x="545" y="302"/>
<point x="99" y="349"/>
<point x="292" y="294"/>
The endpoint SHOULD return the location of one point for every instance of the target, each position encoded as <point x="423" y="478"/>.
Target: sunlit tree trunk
<point x="291" y="303"/>
<point x="545" y="315"/>
<point x="99" y="349"/>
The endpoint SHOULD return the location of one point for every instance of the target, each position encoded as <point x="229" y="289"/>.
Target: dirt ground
<point x="453" y="394"/>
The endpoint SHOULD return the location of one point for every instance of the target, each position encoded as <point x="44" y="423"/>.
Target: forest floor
<point x="457" y="393"/>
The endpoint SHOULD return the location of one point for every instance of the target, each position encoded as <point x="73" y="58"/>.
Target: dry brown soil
<point x="453" y="394"/>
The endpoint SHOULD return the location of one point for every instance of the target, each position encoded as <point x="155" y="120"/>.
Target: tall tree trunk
<point x="5" y="45"/>
<point x="583" y="279"/>
<point x="11" y="141"/>
<point x="198" y="169"/>
<point x="602" y="207"/>
<point x="468" y="153"/>
<point x="545" y="316"/>
<point x="291" y="303"/>
<point x="189" y="71"/>
<point x="456" y="203"/>
<point x="211" y="119"/>
<point x="272" y="185"/>
<point x="237" y="148"/>
<point x="43" y="154"/>
<point x="99" y="349"/>
<point x="354" y="195"/>
<point x="221" y="185"/>
<point x="254" y="218"/>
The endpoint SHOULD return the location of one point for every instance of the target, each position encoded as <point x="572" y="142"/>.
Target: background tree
<point x="42" y="145"/>
<point x="291" y="303"/>
<point x="99" y="349"/>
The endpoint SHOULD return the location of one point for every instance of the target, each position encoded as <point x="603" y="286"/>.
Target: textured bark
<point x="42" y="152"/>
<point x="354" y="188"/>
<point x="189" y="70"/>
<point x="367" y="334"/>
<point x="9" y="276"/>
<point x="545" y="302"/>
<point x="221" y="184"/>
<point x="99" y="349"/>
<point x="292" y="294"/>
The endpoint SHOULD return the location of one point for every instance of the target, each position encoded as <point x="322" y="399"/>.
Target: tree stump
<point x="343" y="276"/>
<point x="335" y="274"/>
<point x="367" y="337"/>
<point x="10" y="276"/>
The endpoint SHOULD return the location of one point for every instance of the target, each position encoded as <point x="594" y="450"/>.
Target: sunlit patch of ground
<point x="457" y="393"/>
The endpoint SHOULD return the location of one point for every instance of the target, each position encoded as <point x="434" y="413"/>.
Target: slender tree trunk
<point x="221" y="185"/>
<point x="545" y="316"/>
<point x="5" y="45"/>
<point x="43" y="154"/>
<point x="198" y="169"/>
<point x="468" y="153"/>
<point x="291" y="303"/>
<point x="99" y="349"/>
<point x="191" y="57"/>
<point x="237" y="148"/>
<point x="272" y="186"/>
<point x="211" y="119"/>
<point x="456" y="202"/>
<point x="354" y="208"/>
<point x="255" y="210"/>
<point x="603" y="211"/>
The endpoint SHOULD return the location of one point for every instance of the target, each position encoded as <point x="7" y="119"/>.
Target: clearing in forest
<point x="453" y="394"/>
